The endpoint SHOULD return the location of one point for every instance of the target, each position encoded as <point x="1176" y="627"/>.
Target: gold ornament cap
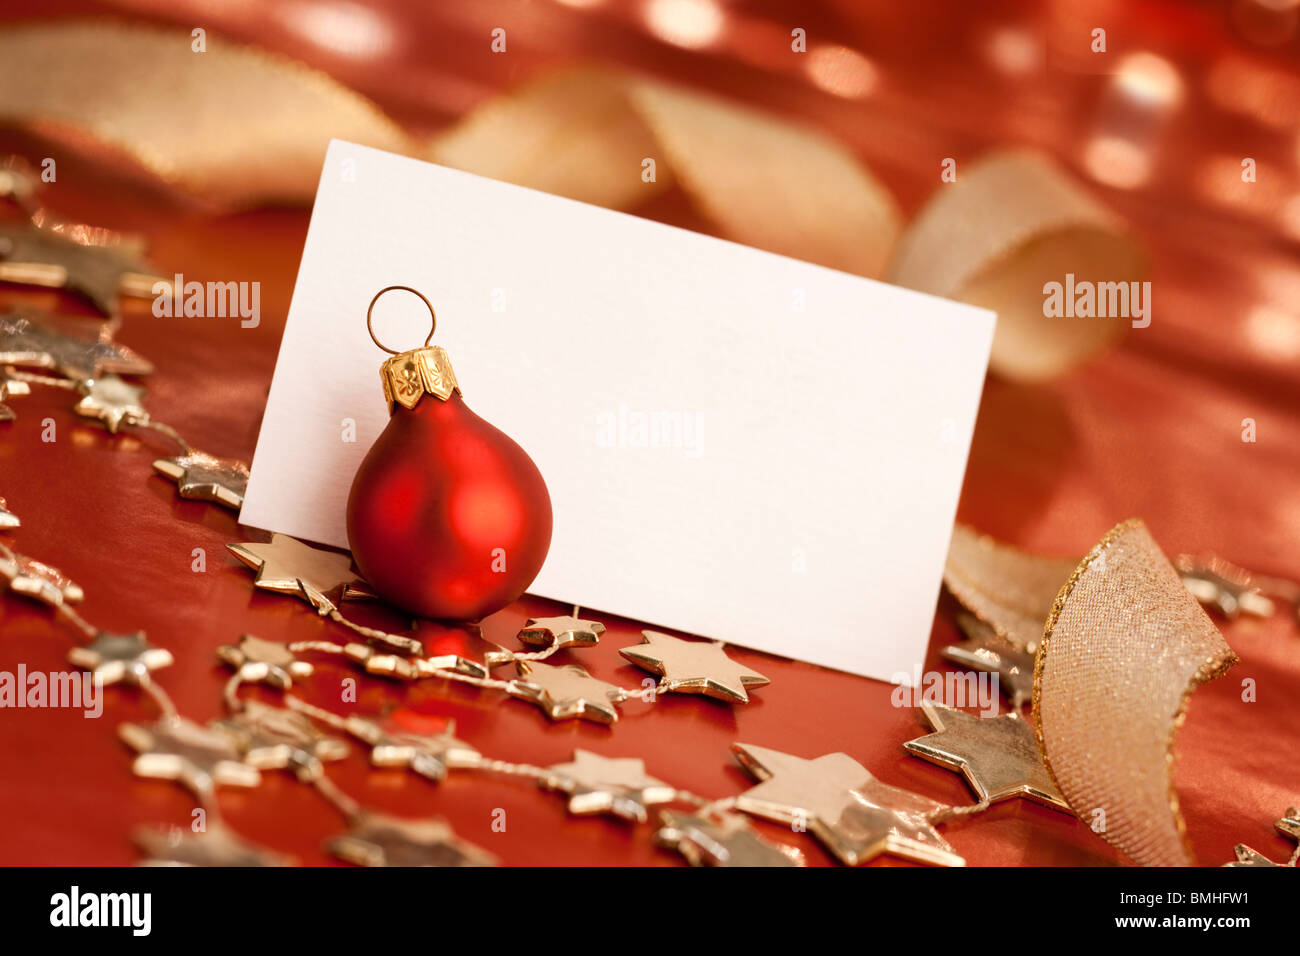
<point x="409" y="376"/>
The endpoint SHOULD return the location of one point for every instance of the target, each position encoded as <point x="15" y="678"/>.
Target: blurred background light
<point x="692" y="24"/>
<point x="347" y="29"/>
<point x="841" y="71"/>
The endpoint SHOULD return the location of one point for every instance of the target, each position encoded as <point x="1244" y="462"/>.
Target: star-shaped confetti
<point x="568" y="691"/>
<point x="273" y="738"/>
<point x="394" y="742"/>
<point x="112" y="401"/>
<point x="618" y="786"/>
<point x="693" y="667"/>
<point x="178" y="749"/>
<point x="1221" y="585"/>
<point x="217" y="845"/>
<point x="985" y="651"/>
<point x="10" y="387"/>
<point x="376" y="839"/>
<point x="95" y="263"/>
<point x="851" y="812"/>
<point x="998" y="756"/>
<point x="728" y="840"/>
<point x="205" y="478"/>
<point x="287" y="565"/>
<point x="43" y="343"/>
<point x="561" y="632"/>
<point x="36" y="580"/>
<point x="268" y="661"/>
<point x="8" y="520"/>
<point x="120" y="657"/>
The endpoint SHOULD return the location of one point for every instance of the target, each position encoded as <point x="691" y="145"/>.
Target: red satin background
<point x="1151" y="429"/>
<point x="448" y="517"/>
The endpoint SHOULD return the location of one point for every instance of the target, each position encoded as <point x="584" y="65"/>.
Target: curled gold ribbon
<point x="235" y="126"/>
<point x="1010" y="224"/>
<point x="1122" y="650"/>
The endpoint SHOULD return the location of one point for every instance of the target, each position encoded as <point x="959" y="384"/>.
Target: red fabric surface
<point x="1151" y="429"/>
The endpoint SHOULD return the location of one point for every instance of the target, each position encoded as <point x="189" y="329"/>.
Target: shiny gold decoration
<point x="118" y="657"/>
<point x="727" y="840"/>
<point x="617" y="786"/>
<point x="178" y="749"/>
<point x="376" y="839"/>
<point x="287" y="565"/>
<point x="1218" y="584"/>
<point x="560" y="632"/>
<point x="429" y="755"/>
<point x="273" y="738"/>
<point x="122" y="86"/>
<point x="59" y="344"/>
<point x="383" y="664"/>
<point x="92" y="262"/>
<point x="201" y="476"/>
<point x="8" y="520"/>
<point x="10" y="387"/>
<point x="984" y="651"/>
<point x="464" y="650"/>
<point x="693" y="667"/>
<point x="1288" y="826"/>
<point x="260" y="660"/>
<point x="112" y="402"/>
<point x="566" y="691"/>
<point x="411" y="375"/>
<point x="853" y="814"/>
<point x="998" y="756"/>
<point x="37" y="580"/>
<point x="1122" y="651"/>
<point x="217" y="845"/>
<point x="1010" y="590"/>
<point x="1012" y="222"/>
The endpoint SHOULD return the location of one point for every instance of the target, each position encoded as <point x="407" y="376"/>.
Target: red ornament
<point x="447" y="517"/>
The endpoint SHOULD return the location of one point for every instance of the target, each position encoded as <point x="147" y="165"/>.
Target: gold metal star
<point x="618" y="786"/>
<point x="287" y="565"/>
<point x="8" y="520"/>
<point x="178" y="749"/>
<point x="985" y="651"/>
<point x="394" y="742"/>
<point x="376" y="839"/>
<point x="268" y="661"/>
<point x="273" y="738"/>
<point x="561" y="632"/>
<point x="568" y="691"/>
<point x="693" y="667"/>
<point x="1222" y="585"/>
<point x="462" y="649"/>
<point x="998" y="756"/>
<point x="727" y="840"/>
<point x="111" y="401"/>
<point x="851" y="812"/>
<point x="96" y="263"/>
<point x="37" y="580"/>
<point x="71" y="347"/>
<point x="1288" y="826"/>
<point x="118" y="657"/>
<point x="218" y="845"/>
<point x="10" y="387"/>
<point x="203" y="477"/>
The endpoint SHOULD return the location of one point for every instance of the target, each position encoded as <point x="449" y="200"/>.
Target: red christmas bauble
<point x="448" y="517"/>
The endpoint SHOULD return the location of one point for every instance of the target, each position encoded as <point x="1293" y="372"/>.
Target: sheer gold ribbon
<point x="235" y="126"/>
<point x="1123" y="646"/>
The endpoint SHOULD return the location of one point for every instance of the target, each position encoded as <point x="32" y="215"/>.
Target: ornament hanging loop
<point x="370" y="312"/>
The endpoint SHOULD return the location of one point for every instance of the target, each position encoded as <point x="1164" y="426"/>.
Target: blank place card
<point x="738" y="445"/>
